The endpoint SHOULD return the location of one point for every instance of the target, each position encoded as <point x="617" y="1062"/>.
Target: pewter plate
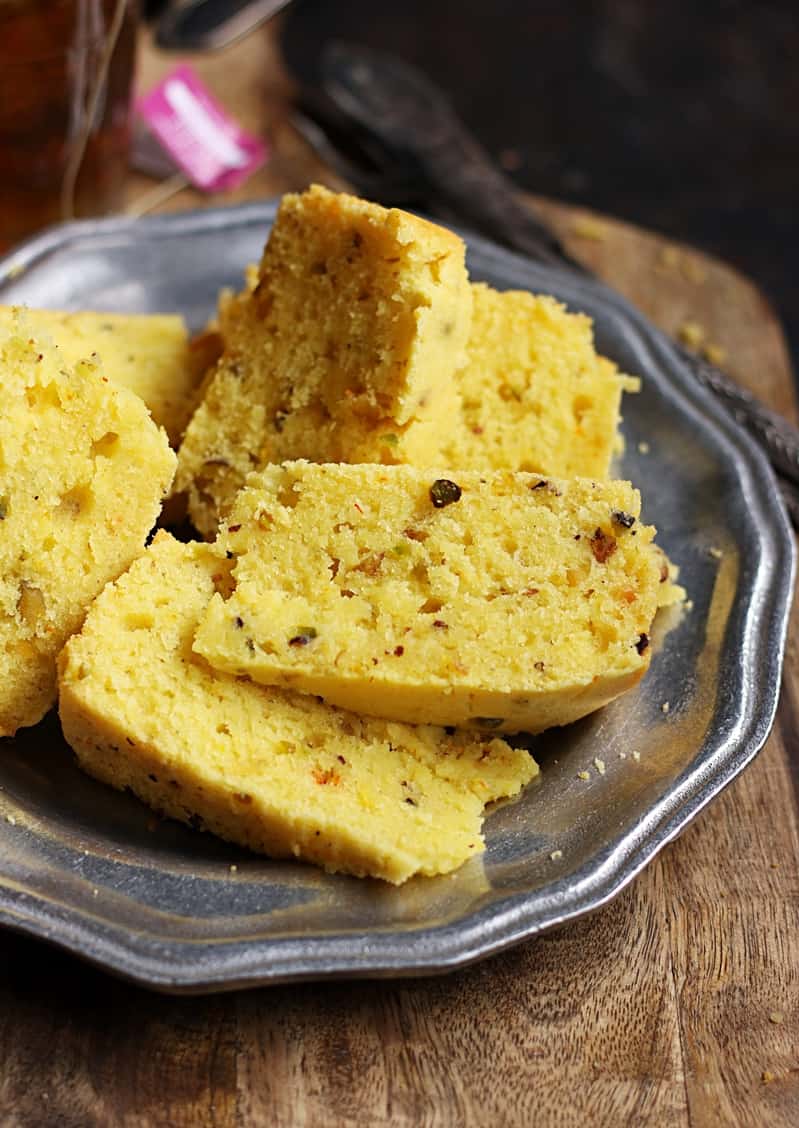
<point x="90" y="870"/>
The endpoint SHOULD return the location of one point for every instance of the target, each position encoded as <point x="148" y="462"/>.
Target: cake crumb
<point x="636" y="756"/>
<point x="599" y="765"/>
<point x="767" y="1077"/>
<point x="643" y="448"/>
<point x="622" y="755"/>
<point x="583" y="775"/>
<point x="556" y="855"/>
<point x="95" y="892"/>
<point x="586" y="227"/>
<point x="693" y="271"/>
<point x="692" y="334"/>
<point x="714" y="353"/>
<point x="669" y="258"/>
<point x="776" y="1016"/>
<point x="716" y="553"/>
<point x="664" y="708"/>
<point x="688" y="605"/>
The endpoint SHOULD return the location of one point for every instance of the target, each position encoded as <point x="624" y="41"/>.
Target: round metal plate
<point x="92" y="871"/>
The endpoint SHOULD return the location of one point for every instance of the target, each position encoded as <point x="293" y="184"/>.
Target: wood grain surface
<point x="677" y="1004"/>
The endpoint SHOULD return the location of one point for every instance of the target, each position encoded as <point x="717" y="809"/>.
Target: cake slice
<point x="343" y="350"/>
<point x="535" y="395"/>
<point x="148" y="353"/>
<point x="274" y="771"/>
<point x="509" y="602"/>
<point x="83" y="469"/>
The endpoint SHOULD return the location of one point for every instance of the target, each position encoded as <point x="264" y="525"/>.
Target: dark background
<point x="680" y="116"/>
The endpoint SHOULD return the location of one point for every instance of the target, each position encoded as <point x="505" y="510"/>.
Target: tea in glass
<point x="66" y="69"/>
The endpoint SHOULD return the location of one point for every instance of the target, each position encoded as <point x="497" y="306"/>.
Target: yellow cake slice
<point x="274" y="771"/>
<point x="344" y="349"/>
<point x="535" y="394"/>
<point x="148" y="353"/>
<point x="504" y="601"/>
<point x="83" y="469"/>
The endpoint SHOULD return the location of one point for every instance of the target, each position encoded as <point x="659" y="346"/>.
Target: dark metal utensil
<point x="421" y="142"/>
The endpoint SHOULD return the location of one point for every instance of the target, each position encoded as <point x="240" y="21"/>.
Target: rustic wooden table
<point x="677" y="1004"/>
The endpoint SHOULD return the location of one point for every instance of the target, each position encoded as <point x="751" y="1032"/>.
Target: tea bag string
<point x="72" y="169"/>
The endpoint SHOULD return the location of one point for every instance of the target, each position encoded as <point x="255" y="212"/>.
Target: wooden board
<point x="678" y="1004"/>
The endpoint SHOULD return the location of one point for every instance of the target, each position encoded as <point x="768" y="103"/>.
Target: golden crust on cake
<point x="277" y="772"/>
<point x="344" y="349"/>
<point x="83" y="470"/>
<point x="497" y="600"/>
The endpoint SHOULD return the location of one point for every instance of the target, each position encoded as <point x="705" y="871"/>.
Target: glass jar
<point x="66" y="70"/>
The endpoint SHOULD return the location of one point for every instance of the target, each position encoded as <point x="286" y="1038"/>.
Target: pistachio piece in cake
<point x="148" y="353"/>
<point x="535" y="395"/>
<point x="344" y="349"/>
<point x="83" y="469"/>
<point x="507" y="602"/>
<point x="274" y="771"/>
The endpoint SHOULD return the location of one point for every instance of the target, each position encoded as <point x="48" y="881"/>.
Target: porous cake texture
<point x="509" y="602"/>
<point x="277" y="772"/>
<point x="148" y="353"/>
<point x="83" y="469"/>
<point x="534" y="394"/>
<point x="344" y="350"/>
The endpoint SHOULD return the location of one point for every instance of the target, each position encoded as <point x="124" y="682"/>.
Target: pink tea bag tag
<point x="204" y="141"/>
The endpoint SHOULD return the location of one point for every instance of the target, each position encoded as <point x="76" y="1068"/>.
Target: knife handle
<point x="776" y="434"/>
